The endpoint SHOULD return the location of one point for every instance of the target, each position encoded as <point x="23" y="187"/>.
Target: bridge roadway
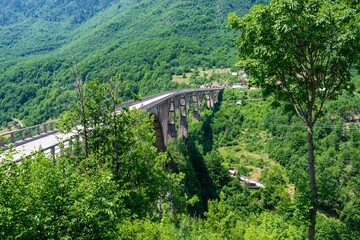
<point x="47" y="141"/>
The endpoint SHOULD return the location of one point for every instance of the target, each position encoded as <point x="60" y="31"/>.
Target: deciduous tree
<point x="301" y="51"/>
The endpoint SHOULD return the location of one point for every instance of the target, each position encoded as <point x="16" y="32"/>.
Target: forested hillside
<point x="187" y="193"/>
<point x="139" y="43"/>
<point x="31" y="27"/>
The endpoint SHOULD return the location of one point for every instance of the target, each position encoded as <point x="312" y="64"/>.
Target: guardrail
<point x="143" y="99"/>
<point x="53" y="151"/>
<point x="180" y="92"/>
<point x="24" y="133"/>
<point x="58" y="149"/>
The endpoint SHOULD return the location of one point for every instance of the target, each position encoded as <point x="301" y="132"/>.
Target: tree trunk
<point x="116" y="155"/>
<point x="312" y="178"/>
<point x="85" y="128"/>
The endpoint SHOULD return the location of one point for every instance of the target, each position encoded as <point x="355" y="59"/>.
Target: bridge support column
<point x="207" y="98"/>
<point x="159" y="135"/>
<point x="173" y="114"/>
<point x="196" y="106"/>
<point x="184" y="109"/>
<point x="212" y="97"/>
<point x="163" y="114"/>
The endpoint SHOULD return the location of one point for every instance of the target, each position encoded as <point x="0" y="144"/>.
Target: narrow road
<point x="30" y="145"/>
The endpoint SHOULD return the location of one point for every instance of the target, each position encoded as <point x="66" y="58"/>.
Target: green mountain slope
<point x="140" y="42"/>
<point x="34" y="27"/>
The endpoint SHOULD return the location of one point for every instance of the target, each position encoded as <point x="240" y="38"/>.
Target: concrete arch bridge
<point x="171" y="112"/>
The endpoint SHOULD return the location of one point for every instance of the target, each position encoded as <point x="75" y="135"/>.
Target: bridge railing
<point x="179" y="93"/>
<point x="60" y="149"/>
<point x="133" y="102"/>
<point x="25" y="133"/>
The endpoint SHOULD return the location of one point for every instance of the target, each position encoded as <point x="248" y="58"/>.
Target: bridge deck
<point x="26" y="147"/>
<point x="53" y="138"/>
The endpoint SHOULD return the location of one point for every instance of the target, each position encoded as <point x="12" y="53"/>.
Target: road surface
<point x="45" y="141"/>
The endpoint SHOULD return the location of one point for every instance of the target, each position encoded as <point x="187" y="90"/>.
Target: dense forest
<point x="186" y="192"/>
<point x="76" y="61"/>
<point x="140" y="43"/>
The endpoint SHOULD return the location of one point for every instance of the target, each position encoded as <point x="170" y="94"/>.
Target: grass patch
<point x="185" y="79"/>
<point x="180" y="79"/>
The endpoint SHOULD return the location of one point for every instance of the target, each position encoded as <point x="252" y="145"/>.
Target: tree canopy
<point x="301" y="52"/>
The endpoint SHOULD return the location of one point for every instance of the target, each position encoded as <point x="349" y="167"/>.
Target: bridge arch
<point x="160" y="141"/>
